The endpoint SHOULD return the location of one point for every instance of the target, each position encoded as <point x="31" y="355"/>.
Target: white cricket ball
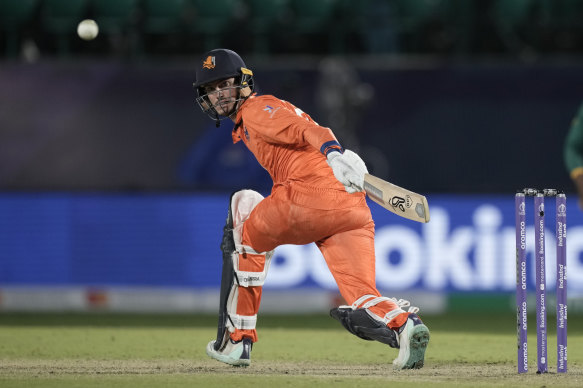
<point x="87" y="29"/>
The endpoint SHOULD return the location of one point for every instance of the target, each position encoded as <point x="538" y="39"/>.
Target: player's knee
<point x="257" y="263"/>
<point x="242" y="204"/>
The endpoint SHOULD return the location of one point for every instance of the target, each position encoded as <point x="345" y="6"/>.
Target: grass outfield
<point x="120" y="350"/>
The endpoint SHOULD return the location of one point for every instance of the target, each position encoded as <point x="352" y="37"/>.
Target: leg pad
<point x="240" y="206"/>
<point x="362" y="325"/>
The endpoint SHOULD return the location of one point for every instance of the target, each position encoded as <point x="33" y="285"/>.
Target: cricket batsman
<point x="317" y="196"/>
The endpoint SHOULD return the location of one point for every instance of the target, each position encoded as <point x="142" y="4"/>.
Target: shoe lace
<point x="402" y="303"/>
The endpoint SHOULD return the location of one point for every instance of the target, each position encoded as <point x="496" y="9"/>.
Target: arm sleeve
<point x="573" y="151"/>
<point x="279" y="123"/>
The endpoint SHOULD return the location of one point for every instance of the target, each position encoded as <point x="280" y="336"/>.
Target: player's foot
<point x="362" y="325"/>
<point x="235" y="353"/>
<point x="413" y="340"/>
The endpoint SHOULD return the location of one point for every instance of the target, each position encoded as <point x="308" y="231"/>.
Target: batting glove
<point x="349" y="169"/>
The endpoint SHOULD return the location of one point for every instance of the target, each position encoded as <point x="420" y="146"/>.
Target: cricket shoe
<point x="413" y="340"/>
<point x="237" y="353"/>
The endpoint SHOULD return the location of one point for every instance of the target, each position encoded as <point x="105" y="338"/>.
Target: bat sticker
<point x="397" y="202"/>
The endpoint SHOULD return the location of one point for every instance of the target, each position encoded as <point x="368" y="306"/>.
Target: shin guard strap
<point x="244" y="322"/>
<point x="251" y="278"/>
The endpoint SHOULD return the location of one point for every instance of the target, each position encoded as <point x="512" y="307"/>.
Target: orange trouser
<point x="339" y="223"/>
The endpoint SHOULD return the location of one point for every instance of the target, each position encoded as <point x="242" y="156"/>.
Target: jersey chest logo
<point x="271" y="110"/>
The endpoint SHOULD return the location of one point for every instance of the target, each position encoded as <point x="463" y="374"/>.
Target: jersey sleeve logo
<point x="209" y="62"/>
<point x="271" y="110"/>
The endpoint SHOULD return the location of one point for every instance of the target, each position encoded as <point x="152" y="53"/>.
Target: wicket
<point x="540" y="281"/>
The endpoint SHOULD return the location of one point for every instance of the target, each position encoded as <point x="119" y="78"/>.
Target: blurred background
<point x="114" y="186"/>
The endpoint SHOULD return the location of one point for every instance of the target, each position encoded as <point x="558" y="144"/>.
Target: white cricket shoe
<point x="413" y="340"/>
<point x="234" y="353"/>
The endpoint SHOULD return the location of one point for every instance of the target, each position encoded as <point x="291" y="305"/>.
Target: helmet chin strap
<point x="245" y="92"/>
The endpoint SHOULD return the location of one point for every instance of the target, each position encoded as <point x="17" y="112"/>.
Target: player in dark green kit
<point x="574" y="153"/>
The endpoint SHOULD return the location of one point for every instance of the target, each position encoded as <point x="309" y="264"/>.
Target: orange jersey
<point x="286" y="141"/>
<point x="307" y="204"/>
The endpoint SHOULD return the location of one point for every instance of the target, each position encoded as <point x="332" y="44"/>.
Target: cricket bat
<point x="396" y="199"/>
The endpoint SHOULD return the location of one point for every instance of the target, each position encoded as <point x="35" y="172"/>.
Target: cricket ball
<point x="87" y="29"/>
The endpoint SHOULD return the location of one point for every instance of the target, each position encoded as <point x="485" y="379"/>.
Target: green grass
<point x="147" y="350"/>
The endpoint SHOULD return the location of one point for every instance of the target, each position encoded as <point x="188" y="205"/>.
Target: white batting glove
<point x="349" y="169"/>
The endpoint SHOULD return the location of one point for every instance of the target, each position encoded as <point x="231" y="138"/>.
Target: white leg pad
<point x="242" y="204"/>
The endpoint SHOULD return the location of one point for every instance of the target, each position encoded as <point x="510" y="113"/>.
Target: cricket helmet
<point x="221" y="64"/>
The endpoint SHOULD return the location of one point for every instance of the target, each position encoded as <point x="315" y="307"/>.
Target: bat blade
<point x="402" y="202"/>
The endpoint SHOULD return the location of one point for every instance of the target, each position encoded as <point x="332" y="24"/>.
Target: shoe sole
<point x="417" y="346"/>
<point x="227" y="359"/>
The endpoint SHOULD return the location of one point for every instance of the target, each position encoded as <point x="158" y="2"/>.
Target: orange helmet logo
<point x="209" y="63"/>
